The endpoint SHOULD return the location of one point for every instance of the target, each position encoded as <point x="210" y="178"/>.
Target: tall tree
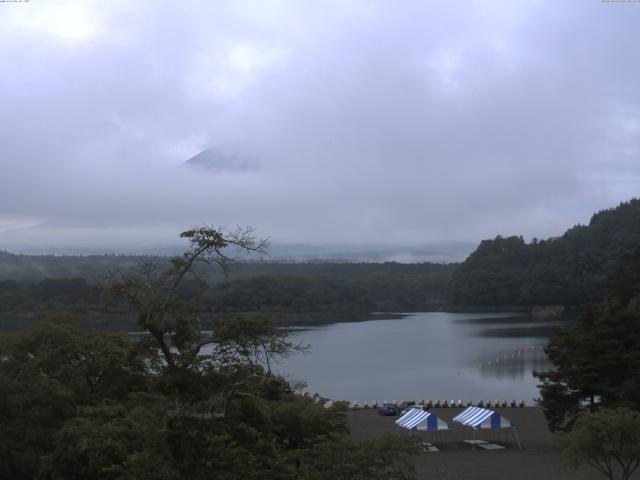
<point x="153" y="291"/>
<point x="597" y="360"/>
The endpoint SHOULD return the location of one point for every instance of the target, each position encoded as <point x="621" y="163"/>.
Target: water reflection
<point x="513" y="326"/>
<point x="523" y="331"/>
<point x="516" y="366"/>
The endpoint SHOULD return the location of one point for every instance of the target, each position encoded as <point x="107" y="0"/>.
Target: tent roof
<point x="477" y="417"/>
<point x="418" y="419"/>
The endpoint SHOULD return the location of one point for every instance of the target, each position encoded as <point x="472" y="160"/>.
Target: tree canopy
<point x="607" y="440"/>
<point x="597" y="360"/>
<point x="185" y="401"/>
<point x="571" y="269"/>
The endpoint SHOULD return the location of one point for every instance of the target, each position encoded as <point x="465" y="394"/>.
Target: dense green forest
<point x="318" y="293"/>
<point x="77" y="404"/>
<point x="571" y="270"/>
<point x="96" y="268"/>
<point x="596" y="360"/>
<point x="591" y="394"/>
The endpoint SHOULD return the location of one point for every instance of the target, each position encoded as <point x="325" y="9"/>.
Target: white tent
<point x="482" y="418"/>
<point x="418" y="419"/>
<point x="476" y="417"/>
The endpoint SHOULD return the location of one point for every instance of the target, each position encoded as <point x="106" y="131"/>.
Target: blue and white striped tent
<point x="482" y="418"/>
<point x="419" y="419"/>
<point x="476" y="417"/>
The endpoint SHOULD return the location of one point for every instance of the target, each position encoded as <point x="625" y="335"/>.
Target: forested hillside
<point x="504" y="272"/>
<point x="570" y="270"/>
<point x="294" y="293"/>
<point x="595" y="360"/>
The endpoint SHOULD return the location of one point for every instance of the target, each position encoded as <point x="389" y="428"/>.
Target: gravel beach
<point x="458" y="461"/>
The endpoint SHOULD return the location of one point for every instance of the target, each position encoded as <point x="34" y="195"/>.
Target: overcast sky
<point x="361" y="122"/>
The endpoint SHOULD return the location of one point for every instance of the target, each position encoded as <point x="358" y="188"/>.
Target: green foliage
<point x="389" y="458"/>
<point x="252" y="340"/>
<point x="102" y="442"/>
<point x="31" y="412"/>
<point x="59" y="419"/>
<point x="569" y="270"/>
<point x="300" y="292"/>
<point x="290" y="294"/>
<point x="597" y="360"/>
<point x="607" y="440"/>
<point x="48" y="372"/>
<point x="302" y="422"/>
<point x="180" y="403"/>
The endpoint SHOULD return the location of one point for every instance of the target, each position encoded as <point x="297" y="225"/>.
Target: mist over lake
<point x="429" y="355"/>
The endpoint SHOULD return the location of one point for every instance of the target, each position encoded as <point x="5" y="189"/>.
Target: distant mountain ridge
<point x="215" y="161"/>
<point x="571" y="270"/>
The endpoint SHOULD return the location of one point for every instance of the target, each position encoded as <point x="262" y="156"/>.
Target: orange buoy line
<point x="500" y="359"/>
<point x="355" y="404"/>
<point x="504" y="358"/>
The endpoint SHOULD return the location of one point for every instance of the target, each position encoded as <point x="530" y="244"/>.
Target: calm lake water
<point x="432" y="355"/>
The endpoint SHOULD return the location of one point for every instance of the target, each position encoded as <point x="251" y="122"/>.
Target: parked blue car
<point x="388" y="409"/>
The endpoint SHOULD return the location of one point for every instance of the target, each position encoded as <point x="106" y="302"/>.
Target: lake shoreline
<point x="119" y="322"/>
<point x="425" y="355"/>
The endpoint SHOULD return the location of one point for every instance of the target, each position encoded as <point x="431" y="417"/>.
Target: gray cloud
<point x="368" y="122"/>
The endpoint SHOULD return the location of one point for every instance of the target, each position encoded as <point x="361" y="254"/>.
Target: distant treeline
<point x="569" y="270"/>
<point x="97" y="268"/>
<point x="37" y="267"/>
<point x="340" y="290"/>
